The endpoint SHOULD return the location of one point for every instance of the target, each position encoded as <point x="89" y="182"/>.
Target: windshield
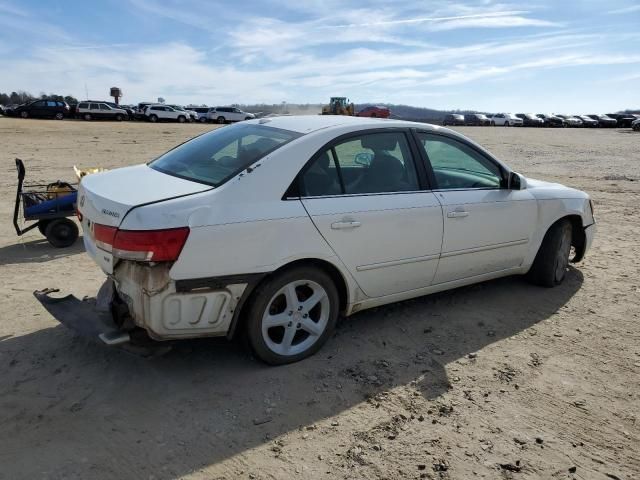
<point x="215" y="157"/>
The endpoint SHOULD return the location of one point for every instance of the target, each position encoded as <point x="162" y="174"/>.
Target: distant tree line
<point x="24" y="97"/>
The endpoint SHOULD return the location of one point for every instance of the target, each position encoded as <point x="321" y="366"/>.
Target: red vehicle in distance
<point x="374" y="112"/>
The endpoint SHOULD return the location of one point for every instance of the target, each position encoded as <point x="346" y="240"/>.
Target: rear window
<point x="217" y="156"/>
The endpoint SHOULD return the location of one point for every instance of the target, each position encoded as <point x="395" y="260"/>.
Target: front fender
<point x="552" y="210"/>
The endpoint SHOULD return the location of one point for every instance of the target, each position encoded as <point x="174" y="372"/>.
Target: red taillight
<point x="103" y="236"/>
<point x="142" y="245"/>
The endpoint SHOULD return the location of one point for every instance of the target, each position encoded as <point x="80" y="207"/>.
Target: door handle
<point x="458" y="214"/>
<point x="344" y="225"/>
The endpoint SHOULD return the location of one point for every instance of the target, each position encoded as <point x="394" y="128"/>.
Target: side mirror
<point x="517" y="181"/>
<point x="363" y="158"/>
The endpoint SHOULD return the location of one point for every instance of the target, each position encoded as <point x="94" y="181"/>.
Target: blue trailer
<point x="49" y="207"/>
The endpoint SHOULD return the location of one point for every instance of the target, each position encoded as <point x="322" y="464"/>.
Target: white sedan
<point x="273" y="228"/>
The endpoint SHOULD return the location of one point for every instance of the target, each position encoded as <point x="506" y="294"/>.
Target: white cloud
<point x="307" y="51"/>
<point x="622" y="11"/>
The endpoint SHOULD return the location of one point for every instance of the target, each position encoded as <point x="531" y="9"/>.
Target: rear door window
<point x="364" y="164"/>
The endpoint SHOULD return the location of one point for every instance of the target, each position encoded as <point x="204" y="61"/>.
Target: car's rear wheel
<point x="292" y="315"/>
<point x="552" y="261"/>
<point x="87" y="116"/>
<point x="59" y="116"/>
<point x="24" y="114"/>
<point x="221" y="120"/>
<point x="153" y="118"/>
<point x="62" y="232"/>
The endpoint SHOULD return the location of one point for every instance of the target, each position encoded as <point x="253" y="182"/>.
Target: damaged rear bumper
<point x="92" y="319"/>
<point x="142" y="300"/>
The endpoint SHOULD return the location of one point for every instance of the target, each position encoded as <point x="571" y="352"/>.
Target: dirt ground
<point x="498" y="380"/>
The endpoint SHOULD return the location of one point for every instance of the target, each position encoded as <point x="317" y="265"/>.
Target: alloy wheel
<point x="295" y="317"/>
<point x="562" y="256"/>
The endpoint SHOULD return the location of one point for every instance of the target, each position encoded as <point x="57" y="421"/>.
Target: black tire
<point x="62" y="232"/>
<point x="552" y="260"/>
<point x="42" y="226"/>
<point x="493" y="124"/>
<point x="261" y="300"/>
<point x="182" y="119"/>
<point x="202" y="119"/>
<point x="24" y="114"/>
<point x="221" y="120"/>
<point x="87" y="116"/>
<point x="118" y="117"/>
<point x="59" y="116"/>
<point x="153" y="118"/>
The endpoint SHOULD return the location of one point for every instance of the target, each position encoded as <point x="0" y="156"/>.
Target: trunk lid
<point x="105" y="198"/>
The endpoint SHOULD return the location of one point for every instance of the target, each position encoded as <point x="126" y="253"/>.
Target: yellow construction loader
<point x="339" y="106"/>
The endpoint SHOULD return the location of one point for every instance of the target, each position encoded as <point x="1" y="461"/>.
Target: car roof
<point x="312" y="123"/>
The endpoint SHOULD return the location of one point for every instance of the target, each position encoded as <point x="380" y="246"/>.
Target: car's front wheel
<point x="24" y="114"/>
<point x="292" y="315"/>
<point x="153" y="118"/>
<point x="182" y="119"/>
<point x="552" y="261"/>
<point x="221" y="120"/>
<point x="59" y="116"/>
<point x="203" y="119"/>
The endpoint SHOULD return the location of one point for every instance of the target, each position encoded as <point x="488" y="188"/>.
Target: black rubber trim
<point x="189" y="285"/>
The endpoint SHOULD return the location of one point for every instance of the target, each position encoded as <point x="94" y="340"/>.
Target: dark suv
<point x="623" y="119"/>
<point x="476" y="120"/>
<point x="604" y="121"/>
<point x="453" y="119"/>
<point x="43" y="109"/>
<point x="551" y="120"/>
<point x="530" y="120"/>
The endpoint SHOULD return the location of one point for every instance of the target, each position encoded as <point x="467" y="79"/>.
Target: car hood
<point x="107" y="197"/>
<point x="547" y="190"/>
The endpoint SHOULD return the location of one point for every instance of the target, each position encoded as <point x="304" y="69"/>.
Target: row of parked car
<point x="156" y="112"/>
<point x="621" y="120"/>
<point x="103" y="110"/>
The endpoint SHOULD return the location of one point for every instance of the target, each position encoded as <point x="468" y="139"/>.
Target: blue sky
<point x="540" y="55"/>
